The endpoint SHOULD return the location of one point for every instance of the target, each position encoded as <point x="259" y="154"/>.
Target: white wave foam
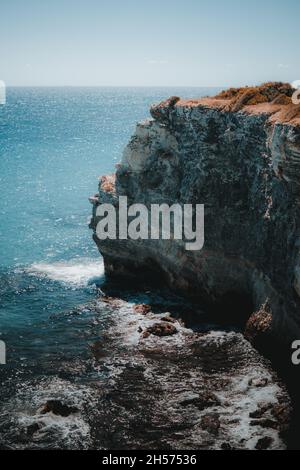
<point x="79" y="271"/>
<point x="52" y="431"/>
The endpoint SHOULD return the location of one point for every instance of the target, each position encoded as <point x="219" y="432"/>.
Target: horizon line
<point x="116" y="86"/>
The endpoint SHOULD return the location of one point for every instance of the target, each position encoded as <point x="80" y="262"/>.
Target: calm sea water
<point x="54" y="144"/>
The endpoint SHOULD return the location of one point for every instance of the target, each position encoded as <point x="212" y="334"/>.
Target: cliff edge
<point x="238" y="154"/>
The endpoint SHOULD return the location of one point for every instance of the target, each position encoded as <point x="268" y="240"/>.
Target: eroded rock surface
<point x="238" y="154"/>
<point x="206" y="390"/>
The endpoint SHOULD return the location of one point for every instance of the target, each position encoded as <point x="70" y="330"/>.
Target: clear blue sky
<point x="149" y="42"/>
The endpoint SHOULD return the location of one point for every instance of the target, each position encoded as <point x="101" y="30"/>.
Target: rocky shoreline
<point x="190" y="390"/>
<point x="150" y="379"/>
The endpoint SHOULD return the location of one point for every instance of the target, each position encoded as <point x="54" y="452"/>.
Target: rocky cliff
<point x="238" y="154"/>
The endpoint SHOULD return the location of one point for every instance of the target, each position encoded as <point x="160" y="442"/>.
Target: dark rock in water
<point x="264" y="443"/>
<point x="142" y="308"/>
<point x="33" y="428"/>
<point x="98" y="350"/>
<point x="114" y="302"/>
<point x="282" y="413"/>
<point x="261" y="382"/>
<point x="261" y="410"/>
<point x="265" y="423"/>
<point x="58" y="408"/>
<point x="226" y="446"/>
<point x="202" y="401"/>
<point x="168" y="319"/>
<point x="160" y="329"/>
<point x="211" y="423"/>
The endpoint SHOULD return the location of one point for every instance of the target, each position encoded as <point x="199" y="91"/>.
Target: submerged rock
<point x="142" y="308"/>
<point x="264" y="443"/>
<point x="202" y="401"/>
<point x="33" y="428"/>
<point x="261" y="382"/>
<point x="58" y="408"/>
<point x="211" y="423"/>
<point x="98" y="350"/>
<point x="160" y="329"/>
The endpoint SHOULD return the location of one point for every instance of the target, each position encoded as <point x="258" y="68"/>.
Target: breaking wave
<point x="78" y="272"/>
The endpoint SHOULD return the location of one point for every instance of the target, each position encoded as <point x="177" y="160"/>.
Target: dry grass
<point x="273" y="98"/>
<point x="270" y="92"/>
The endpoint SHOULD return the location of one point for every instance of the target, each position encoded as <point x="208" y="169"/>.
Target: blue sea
<point x="54" y="145"/>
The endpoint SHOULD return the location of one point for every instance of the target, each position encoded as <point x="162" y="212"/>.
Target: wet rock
<point x="33" y="428"/>
<point x="142" y="308"/>
<point x="58" y="408"/>
<point x="201" y="401"/>
<point x="259" y="382"/>
<point x="282" y="413"/>
<point x="114" y="302"/>
<point x="259" y="324"/>
<point x="211" y="423"/>
<point x="160" y="329"/>
<point x="260" y="411"/>
<point x="97" y="350"/>
<point x="265" y="423"/>
<point x="264" y="443"/>
<point x="168" y="319"/>
<point x="226" y="446"/>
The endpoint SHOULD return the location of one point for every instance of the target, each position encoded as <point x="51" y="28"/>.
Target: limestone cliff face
<point x="243" y="164"/>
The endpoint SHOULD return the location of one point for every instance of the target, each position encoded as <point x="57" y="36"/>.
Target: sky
<point x="148" y="42"/>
